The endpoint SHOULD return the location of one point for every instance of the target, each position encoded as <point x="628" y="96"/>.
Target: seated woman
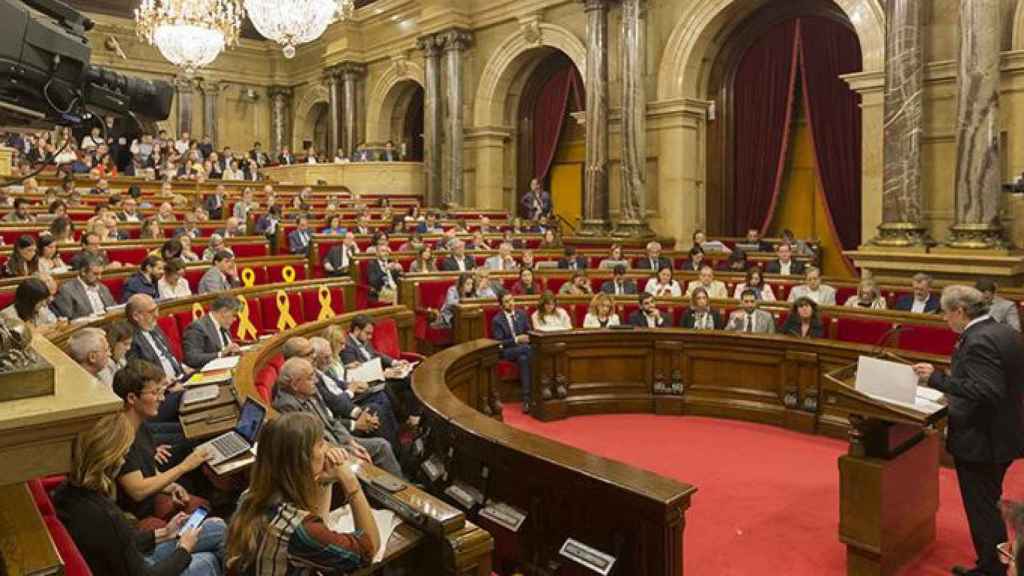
<point x="803" y="320"/>
<point x="105" y="535"/>
<point x="337" y="337"/>
<point x="22" y="261"/>
<point x="119" y="337"/>
<point x="663" y="284"/>
<point x="464" y="287"/>
<point x="867" y="296"/>
<point x="695" y="261"/>
<point x="478" y="242"/>
<point x="186" y="249"/>
<point x="173" y="284"/>
<point x="413" y="244"/>
<point x="578" y="285"/>
<point x="334" y="226"/>
<point x="755" y="281"/>
<point x="31" y="303"/>
<point x="601" y="313"/>
<point x="550" y="241"/>
<point x="526" y="285"/>
<point x="549" y="316"/>
<point x="151" y="230"/>
<point x="614" y="258"/>
<point x="280" y="526"/>
<point x="700" y="315"/>
<point x="425" y="261"/>
<point x="737" y="261"/>
<point x="49" y="260"/>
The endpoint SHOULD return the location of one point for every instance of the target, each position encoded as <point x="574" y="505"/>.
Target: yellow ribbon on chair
<point x="246" y="329"/>
<point x="288" y="273"/>
<point x="284" y="318"/>
<point x="197" y="311"/>
<point x="326" y="311"/>
<point x="248" y="277"/>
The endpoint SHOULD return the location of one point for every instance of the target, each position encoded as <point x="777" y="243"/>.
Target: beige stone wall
<point x="511" y="36"/>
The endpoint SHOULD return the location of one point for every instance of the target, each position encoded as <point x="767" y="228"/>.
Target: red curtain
<point x="829" y="49"/>
<point x="762" y="115"/>
<point x="549" y="116"/>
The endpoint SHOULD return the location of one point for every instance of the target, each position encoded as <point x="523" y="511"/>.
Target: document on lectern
<point x="896" y="383"/>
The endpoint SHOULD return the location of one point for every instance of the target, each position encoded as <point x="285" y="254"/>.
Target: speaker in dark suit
<point x="209" y="337"/>
<point x="986" y="421"/>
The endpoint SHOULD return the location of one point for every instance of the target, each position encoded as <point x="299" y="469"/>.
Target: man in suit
<point x="458" y="260"/>
<point x="221" y="276"/>
<point x="359" y="348"/>
<point x="209" y="337"/>
<point x="784" y="264"/>
<point x="1000" y="309"/>
<point x="504" y="261"/>
<point x="382" y="272"/>
<point x="286" y="158"/>
<point x="214" y="203"/>
<point x="812" y="288"/>
<point x="755" y="242"/>
<point x="749" y="318"/>
<point x="648" y="315"/>
<point x="84" y="295"/>
<point x="151" y="270"/>
<point x="619" y="285"/>
<point x="570" y="261"/>
<point x="510" y="327"/>
<point x="537" y="202"/>
<point x="258" y="156"/>
<point x="233" y="228"/>
<point x="129" y="211"/>
<point x="299" y="239"/>
<point x="189" y="227"/>
<point x="706" y="280"/>
<point x="149" y="342"/>
<point x="922" y="301"/>
<point x="339" y="257"/>
<point x="654" y="261"/>
<point x="295" y="391"/>
<point x="986" y="419"/>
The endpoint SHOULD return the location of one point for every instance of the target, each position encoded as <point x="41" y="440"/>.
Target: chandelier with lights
<point x="294" y="22"/>
<point x="189" y="33"/>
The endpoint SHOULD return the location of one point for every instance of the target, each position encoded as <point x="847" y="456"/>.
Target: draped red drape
<point x="553" y="102"/>
<point x="827" y="50"/>
<point x="762" y="115"/>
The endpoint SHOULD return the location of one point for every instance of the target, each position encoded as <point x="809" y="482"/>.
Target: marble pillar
<point x="632" y="221"/>
<point x="978" y="186"/>
<point x="595" y="184"/>
<point x="280" y="118"/>
<point x="456" y="41"/>
<point x="333" y="82"/>
<point x="902" y="224"/>
<point x="351" y="72"/>
<point x="431" y="47"/>
<point x="185" y="88"/>
<point x="211" y="94"/>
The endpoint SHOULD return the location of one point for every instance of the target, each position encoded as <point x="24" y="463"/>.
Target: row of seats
<point x="74" y="563"/>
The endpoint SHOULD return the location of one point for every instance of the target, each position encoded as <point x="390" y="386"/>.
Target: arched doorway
<point x="405" y="123"/>
<point x="315" y="130"/>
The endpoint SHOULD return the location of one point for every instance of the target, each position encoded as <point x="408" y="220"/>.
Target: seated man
<point x="84" y="295"/>
<point x="706" y="280"/>
<point x="654" y="261"/>
<point x="510" y="327"/>
<point x="90" y="349"/>
<point x="458" y="260"/>
<point x="503" y="261"/>
<point x="299" y="239"/>
<point x="151" y="270"/>
<point x="209" y="337"/>
<point x="233" y="228"/>
<point x="382" y="276"/>
<point x="295" y="391"/>
<point x="619" y="285"/>
<point x="822" y="294"/>
<point x="648" y="316"/>
<point x="339" y="257"/>
<point x="220" y="277"/>
<point x="359" y="348"/>
<point x="749" y="318"/>
<point x="922" y="301"/>
<point x="784" y="264"/>
<point x="570" y="261"/>
<point x="1000" y="309"/>
<point x="484" y="287"/>
<point x="150" y="343"/>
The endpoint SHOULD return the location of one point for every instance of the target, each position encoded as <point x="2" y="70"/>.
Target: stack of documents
<point x="225" y="363"/>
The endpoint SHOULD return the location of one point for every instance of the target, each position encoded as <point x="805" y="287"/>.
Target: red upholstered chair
<point x="265" y="379"/>
<point x="554" y="283"/>
<point x="322" y="248"/>
<point x="74" y="563"/>
<point x="116" y="286"/>
<point x="6" y="298"/>
<point x="311" y="306"/>
<point x="275" y="272"/>
<point x="250" y="250"/>
<point x="268" y="308"/>
<point x="170" y="327"/>
<point x="41" y="497"/>
<point x="532" y="243"/>
<point x="385" y="339"/>
<point x="193" y="276"/>
<point x="276" y="361"/>
<point x="861" y="330"/>
<point x="843" y="294"/>
<point x="259" y="274"/>
<point x="127" y="256"/>
<point x="928" y="339"/>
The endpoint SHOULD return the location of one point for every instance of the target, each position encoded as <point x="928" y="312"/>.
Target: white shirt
<point x="93" y="293"/>
<point x="919" y="305"/>
<point x="653" y="321"/>
<point x="670" y="289"/>
<point x="975" y="321"/>
<point x="592" y="321"/>
<point x="165" y="362"/>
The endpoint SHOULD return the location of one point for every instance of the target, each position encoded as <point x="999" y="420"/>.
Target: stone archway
<point x="307" y="113"/>
<point x="390" y="91"/>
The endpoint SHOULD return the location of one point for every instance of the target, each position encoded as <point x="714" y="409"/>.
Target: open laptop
<point x="242" y="438"/>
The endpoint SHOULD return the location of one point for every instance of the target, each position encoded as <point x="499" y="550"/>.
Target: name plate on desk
<point x="464" y="494"/>
<point x="586" y="556"/>
<point x="504" y="515"/>
<point x="433" y="468"/>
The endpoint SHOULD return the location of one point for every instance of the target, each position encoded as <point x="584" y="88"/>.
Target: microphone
<point x="887" y="337"/>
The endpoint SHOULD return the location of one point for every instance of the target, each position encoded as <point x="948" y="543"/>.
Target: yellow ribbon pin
<point x="246" y="329"/>
<point x="326" y="311"/>
<point x="197" y="311"/>
<point x="288" y="273"/>
<point x="284" y="319"/>
<point x="248" y="277"/>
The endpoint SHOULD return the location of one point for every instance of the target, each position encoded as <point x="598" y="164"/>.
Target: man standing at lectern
<point x="986" y="424"/>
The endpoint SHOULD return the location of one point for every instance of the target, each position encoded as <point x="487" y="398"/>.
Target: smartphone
<point x="194" y="520"/>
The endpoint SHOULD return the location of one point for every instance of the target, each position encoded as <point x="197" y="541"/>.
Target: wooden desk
<point x="362" y="178"/>
<point x="25" y="544"/>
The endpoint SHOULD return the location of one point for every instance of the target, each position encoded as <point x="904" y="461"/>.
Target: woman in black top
<point x="803" y="320"/>
<point x="22" y="261"/>
<point x="102" y="532"/>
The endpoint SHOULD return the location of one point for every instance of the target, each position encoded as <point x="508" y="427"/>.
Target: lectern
<point x="888" y="481"/>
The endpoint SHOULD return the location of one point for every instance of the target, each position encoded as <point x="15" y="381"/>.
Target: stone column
<point x="211" y="93"/>
<point x="280" y="118"/>
<point x="978" y="185"/>
<point x="185" y="88"/>
<point x="595" y="185"/>
<point x="632" y="220"/>
<point x="351" y="72"/>
<point x="455" y="43"/>
<point x="902" y="224"/>
<point x="431" y="47"/>
<point x="333" y="83"/>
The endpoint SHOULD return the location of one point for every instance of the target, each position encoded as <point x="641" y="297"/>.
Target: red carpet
<point x="767" y="500"/>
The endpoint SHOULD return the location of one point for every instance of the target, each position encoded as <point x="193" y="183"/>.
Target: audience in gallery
<point x="526" y="284"/>
<point x="706" y="280"/>
<point x="700" y="315"/>
<point x="601" y="312"/>
<point x="784" y="264"/>
<point x="648" y="315"/>
<point x="822" y="294"/>
<point x="867" y="296"/>
<point x="578" y="285"/>
<point x="749" y="318"/>
<point x="84" y="295"/>
<point x="999" y="309"/>
<point x="754" y="280"/>
<point x="549" y="316"/>
<point x="663" y="284"/>
<point x="510" y="327"/>
<point x="803" y="320"/>
<point x="922" y="301"/>
<point x="221" y="276"/>
<point x="464" y="288"/>
<point x="89" y="348"/>
<point x="619" y="285"/>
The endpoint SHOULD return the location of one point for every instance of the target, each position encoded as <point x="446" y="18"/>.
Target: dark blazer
<point x="566" y="264"/>
<point x="906" y="302"/>
<point x="71" y="301"/>
<point x="628" y="287"/>
<point x="644" y="263"/>
<point x="142" y="350"/>
<point x="689" y="319"/>
<point x="791" y="327"/>
<point x="983" y="387"/>
<point x="376" y="277"/>
<point x="450" y="263"/>
<point x="796" y="267"/>
<point x="339" y="263"/>
<point x="350" y="353"/>
<point x="637" y="319"/>
<point x="502" y="332"/>
<point x="692" y="266"/>
<point x="200" y="342"/>
<point x="137" y="284"/>
<point x="214" y="206"/>
<point x="299" y="243"/>
<point x="192" y="232"/>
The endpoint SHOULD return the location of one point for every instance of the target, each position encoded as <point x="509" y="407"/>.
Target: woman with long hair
<point x="22" y="261"/>
<point x="755" y="281"/>
<point x="151" y="229"/>
<point x="803" y="320"/>
<point x="425" y="261"/>
<point x="601" y="312"/>
<point x="279" y="527"/>
<point x="549" y="316"/>
<point x="464" y="287"/>
<point x="48" y="260"/>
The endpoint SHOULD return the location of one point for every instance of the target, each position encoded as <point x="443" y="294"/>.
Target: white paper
<point x="371" y="371"/>
<point x="929" y="393"/>
<point x="225" y="363"/>
<point x="887" y="380"/>
<point x="341" y="520"/>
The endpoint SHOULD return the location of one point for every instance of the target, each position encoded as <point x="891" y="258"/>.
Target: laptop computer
<point x="242" y="438"/>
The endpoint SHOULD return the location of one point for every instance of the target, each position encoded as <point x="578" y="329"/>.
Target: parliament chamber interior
<point x="498" y="288"/>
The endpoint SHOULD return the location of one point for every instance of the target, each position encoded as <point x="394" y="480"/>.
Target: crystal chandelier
<point x="294" y="22"/>
<point x="189" y="33"/>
